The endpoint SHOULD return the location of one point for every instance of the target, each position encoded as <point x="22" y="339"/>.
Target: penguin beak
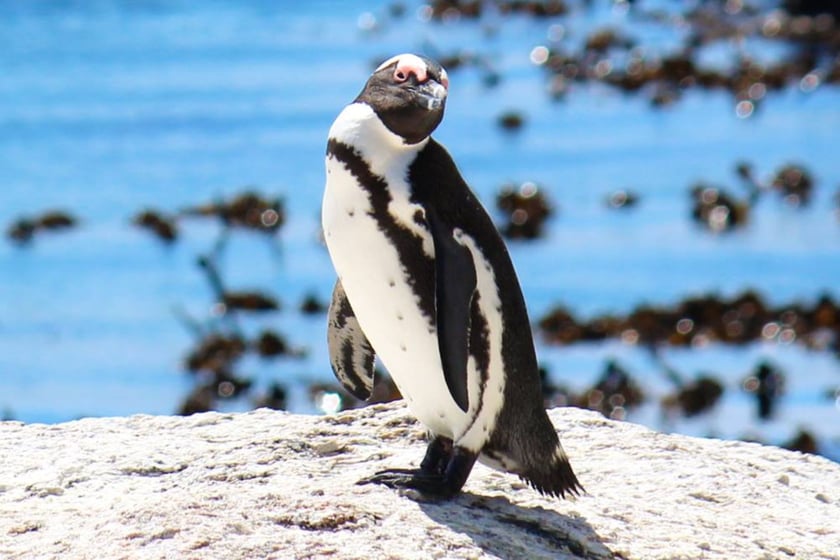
<point x="432" y="94"/>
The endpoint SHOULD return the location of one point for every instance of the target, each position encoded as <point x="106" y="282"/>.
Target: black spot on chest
<point x="419" y="268"/>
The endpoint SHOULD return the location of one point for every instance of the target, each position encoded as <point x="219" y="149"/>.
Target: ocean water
<point x="109" y="107"/>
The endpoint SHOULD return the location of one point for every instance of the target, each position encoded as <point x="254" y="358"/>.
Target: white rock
<point x="273" y="485"/>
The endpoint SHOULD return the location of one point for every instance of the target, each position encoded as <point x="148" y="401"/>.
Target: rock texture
<point x="273" y="485"/>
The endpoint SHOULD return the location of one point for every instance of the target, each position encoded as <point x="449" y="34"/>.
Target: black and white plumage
<point x="426" y="283"/>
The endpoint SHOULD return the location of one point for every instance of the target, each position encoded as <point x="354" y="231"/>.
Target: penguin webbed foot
<point x="416" y="479"/>
<point x="435" y="477"/>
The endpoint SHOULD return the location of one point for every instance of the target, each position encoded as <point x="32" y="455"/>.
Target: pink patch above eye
<point x="409" y="65"/>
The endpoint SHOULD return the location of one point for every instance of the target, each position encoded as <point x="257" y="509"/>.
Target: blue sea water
<point x="107" y="107"/>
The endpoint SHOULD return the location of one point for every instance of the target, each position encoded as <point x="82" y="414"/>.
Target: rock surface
<point x="273" y="485"/>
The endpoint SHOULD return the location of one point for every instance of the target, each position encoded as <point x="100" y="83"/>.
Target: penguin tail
<point x="554" y="477"/>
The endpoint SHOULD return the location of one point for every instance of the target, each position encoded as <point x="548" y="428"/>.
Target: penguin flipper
<point x="351" y="355"/>
<point x="455" y="283"/>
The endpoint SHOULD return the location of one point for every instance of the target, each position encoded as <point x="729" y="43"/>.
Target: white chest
<point x="372" y="269"/>
<point x="369" y="264"/>
<point x="385" y="303"/>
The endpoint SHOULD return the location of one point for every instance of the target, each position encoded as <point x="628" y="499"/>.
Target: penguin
<point x="425" y="282"/>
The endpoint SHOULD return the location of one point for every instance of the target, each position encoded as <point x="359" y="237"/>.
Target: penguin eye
<point x="400" y="75"/>
<point x="444" y="80"/>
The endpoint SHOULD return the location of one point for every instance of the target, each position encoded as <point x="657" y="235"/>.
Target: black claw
<point x="388" y="473"/>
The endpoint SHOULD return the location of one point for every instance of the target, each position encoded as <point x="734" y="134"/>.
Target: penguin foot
<point x="415" y="479"/>
<point x="438" y="455"/>
<point x="445" y="484"/>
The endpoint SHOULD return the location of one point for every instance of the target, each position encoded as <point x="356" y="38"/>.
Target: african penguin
<point x="426" y="283"/>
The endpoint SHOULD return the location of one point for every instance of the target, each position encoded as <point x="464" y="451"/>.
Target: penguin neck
<point x="360" y="127"/>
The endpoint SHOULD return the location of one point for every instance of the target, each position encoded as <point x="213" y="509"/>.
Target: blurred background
<point x="667" y="173"/>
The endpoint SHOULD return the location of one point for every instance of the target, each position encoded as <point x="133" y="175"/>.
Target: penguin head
<point x="408" y="94"/>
